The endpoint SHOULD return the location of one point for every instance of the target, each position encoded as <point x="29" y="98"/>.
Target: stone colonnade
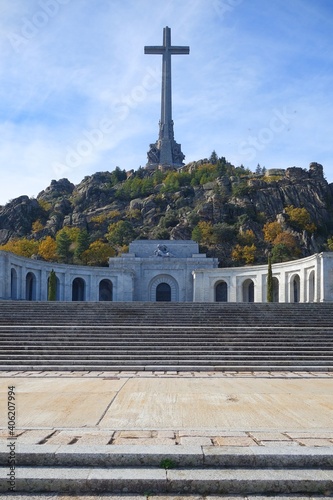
<point x="304" y="280"/>
<point x="27" y="279"/>
<point x="175" y="280"/>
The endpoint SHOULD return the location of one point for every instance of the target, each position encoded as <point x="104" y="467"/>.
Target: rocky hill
<point x="234" y="214"/>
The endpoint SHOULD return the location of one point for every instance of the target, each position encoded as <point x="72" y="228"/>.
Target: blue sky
<point x="78" y="95"/>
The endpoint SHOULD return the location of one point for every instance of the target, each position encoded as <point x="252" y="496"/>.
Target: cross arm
<point x="179" y="50"/>
<point x="154" y="50"/>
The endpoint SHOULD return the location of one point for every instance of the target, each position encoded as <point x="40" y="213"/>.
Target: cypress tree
<point x="270" y="281"/>
<point x="52" y="288"/>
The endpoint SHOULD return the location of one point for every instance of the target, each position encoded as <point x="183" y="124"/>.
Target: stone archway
<point x="78" y="290"/>
<point x="221" y="292"/>
<point x="248" y="290"/>
<point x="30" y="286"/>
<point x="13" y="284"/>
<point x="276" y="289"/>
<point x="105" y="290"/>
<point x="312" y="286"/>
<point x="163" y="288"/>
<point x="295" y="288"/>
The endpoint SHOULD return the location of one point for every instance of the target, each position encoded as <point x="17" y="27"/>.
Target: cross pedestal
<point x="166" y="153"/>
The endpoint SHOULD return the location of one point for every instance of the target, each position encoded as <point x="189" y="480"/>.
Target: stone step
<point x="202" y="313"/>
<point x="166" y="364"/>
<point x="142" y="336"/>
<point x="91" y="336"/>
<point x="176" y="333"/>
<point x="180" y="456"/>
<point x="207" y="470"/>
<point x="94" y="480"/>
<point x="158" y="350"/>
<point x="166" y="329"/>
<point x="244" y="367"/>
<point x="132" y="355"/>
<point x="185" y="344"/>
<point x="174" y="319"/>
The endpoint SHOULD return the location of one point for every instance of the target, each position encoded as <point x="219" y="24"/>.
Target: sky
<point x="78" y="95"/>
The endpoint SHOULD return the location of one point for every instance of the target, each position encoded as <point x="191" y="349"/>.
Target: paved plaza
<point x="168" y="408"/>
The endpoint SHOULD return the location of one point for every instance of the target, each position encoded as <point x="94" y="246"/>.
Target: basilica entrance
<point x="163" y="293"/>
<point x="163" y="288"/>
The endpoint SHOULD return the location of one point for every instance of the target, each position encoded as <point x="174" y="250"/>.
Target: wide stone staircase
<point x="170" y="471"/>
<point x="165" y="336"/>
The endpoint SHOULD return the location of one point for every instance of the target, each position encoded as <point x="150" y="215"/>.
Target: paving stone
<point x="195" y="441"/>
<point x="34" y="437"/>
<point x="144" y="442"/>
<point x="4" y="434"/>
<point x="314" y="434"/>
<point x="315" y="442"/>
<point x="198" y="433"/>
<point x="234" y="441"/>
<point x="269" y="436"/>
<point x="98" y="438"/>
<point x="135" y="434"/>
<point x="64" y="437"/>
<point x="166" y="434"/>
<point x="279" y="443"/>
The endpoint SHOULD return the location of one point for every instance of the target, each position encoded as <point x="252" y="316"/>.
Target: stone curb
<point x="180" y="456"/>
<point x="184" y="481"/>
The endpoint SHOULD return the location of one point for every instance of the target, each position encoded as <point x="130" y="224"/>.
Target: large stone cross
<point x="166" y="152"/>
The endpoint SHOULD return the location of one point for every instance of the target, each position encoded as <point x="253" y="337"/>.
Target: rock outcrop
<point x="233" y="201"/>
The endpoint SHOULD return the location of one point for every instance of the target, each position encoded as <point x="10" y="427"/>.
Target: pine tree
<point x="213" y="159"/>
<point x="82" y="244"/>
<point x="63" y="246"/>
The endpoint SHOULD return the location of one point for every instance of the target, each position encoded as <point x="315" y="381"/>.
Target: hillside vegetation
<point x="236" y="215"/>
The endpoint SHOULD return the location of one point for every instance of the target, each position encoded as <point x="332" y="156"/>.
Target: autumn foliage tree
<point x="203" y="233"/>
<point x="23" y="247"/>
<point x="47" y="249"/>
<point x="98" y="254"/>
<point x="246" y="237"/>
<point x="271" y="230"/>
<point x="244" y="254"/>
<point x="330" y="244"/>
<point x="300" y="219"/>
